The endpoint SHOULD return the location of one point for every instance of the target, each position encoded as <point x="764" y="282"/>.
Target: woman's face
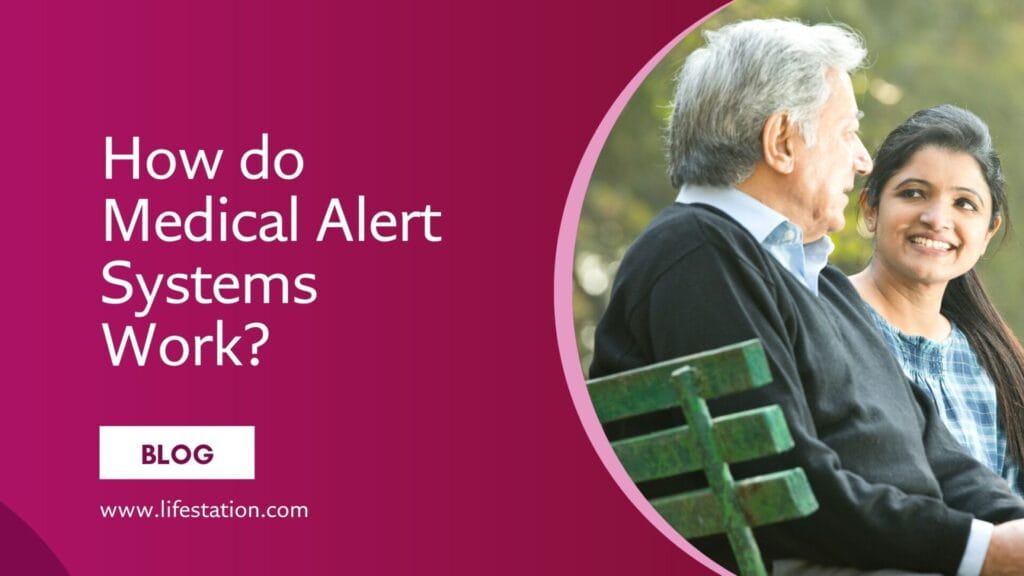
<point x="933" y="218"/>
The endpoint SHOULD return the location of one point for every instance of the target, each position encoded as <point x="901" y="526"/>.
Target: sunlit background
<point x="920" y="54"/>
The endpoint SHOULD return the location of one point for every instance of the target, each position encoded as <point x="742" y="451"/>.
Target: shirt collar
<point x="756" y="217"/>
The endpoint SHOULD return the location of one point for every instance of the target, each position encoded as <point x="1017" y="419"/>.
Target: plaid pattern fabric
<point x="963" y="392"/>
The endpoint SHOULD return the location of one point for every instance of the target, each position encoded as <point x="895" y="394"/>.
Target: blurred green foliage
<point x="921" y="54"/>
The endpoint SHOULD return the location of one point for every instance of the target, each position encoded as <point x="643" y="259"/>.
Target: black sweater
<point x="894" y="488"/>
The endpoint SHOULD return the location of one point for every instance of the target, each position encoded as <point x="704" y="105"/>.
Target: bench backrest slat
<point x="724" y="371"/>
<point x="740" y="437"/>
<point x="764" y="500"/>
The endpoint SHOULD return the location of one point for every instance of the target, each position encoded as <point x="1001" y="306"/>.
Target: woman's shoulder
<point x="962" y="356"/>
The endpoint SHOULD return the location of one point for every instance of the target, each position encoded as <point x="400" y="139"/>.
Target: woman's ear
<point x="868" y="213"/>
<point x="777" y="142"/>
<point x="996" y="223"/>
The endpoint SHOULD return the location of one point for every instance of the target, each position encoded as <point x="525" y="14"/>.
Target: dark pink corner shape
<point x="22" y="551"/>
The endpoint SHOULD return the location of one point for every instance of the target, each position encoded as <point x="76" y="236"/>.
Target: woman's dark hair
<point x="965" y="302"/>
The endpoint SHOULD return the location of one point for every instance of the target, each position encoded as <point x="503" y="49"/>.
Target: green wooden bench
<point x="708" y="444"/>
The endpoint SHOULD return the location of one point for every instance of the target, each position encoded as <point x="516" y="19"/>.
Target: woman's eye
<point x="966" y="204"/>
<point x="911" y="193"/>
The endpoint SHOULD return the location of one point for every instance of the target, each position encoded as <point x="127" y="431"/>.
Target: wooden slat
<point x="763" y="499"/>
<point x="752" y="434"/>
<point x="741" y="436"/>
<point x="723" y="371"/>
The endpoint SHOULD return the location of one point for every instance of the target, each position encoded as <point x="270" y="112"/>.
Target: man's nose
<point x="862" y="163"/>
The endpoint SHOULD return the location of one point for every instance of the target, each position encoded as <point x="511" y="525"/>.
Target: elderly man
<point x="764" y="147"/>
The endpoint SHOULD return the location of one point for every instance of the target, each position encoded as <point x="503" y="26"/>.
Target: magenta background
<point x="419" y="407"/>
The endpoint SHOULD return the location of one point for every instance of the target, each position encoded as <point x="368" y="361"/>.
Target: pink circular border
<point x="564" y="326"/>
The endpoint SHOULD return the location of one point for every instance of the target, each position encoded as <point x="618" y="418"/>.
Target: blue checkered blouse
<point x="963" y="392"/>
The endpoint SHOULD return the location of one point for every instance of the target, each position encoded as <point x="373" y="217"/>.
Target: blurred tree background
<point x="921" y="54"/>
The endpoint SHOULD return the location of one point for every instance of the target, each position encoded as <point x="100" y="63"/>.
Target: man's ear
<point x="777" y="142"/>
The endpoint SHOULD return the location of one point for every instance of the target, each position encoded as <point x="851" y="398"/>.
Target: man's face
<point x="823" y="173"/>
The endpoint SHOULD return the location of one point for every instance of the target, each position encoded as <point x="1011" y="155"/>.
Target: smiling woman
<point x="936" y="225"/>
<point x="934" y="201"/>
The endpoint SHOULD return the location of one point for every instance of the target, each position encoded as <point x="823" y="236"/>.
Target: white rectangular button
<point x="177" y="452"/>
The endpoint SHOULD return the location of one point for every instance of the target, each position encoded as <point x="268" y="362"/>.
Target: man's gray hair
<point x="746" y="72"/>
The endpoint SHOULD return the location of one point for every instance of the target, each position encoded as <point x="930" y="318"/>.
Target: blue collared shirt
<point x="779" y="236"/>
<point x="784" y="241"/>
